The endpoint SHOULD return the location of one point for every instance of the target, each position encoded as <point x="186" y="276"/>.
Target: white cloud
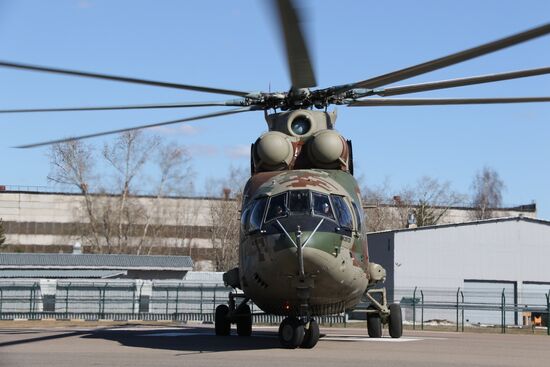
<point x="238" y="151"/>
<point x="182" y="129"/>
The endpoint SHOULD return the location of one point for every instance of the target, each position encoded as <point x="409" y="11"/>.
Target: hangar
<point x="489" y="261"/>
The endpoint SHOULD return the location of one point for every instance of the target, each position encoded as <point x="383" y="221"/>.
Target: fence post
<point x="214" y="305"/>
<point x="98" y="302"/>
<point x="547" y="313"/>
<point x="31" y="300"/>
<point x="67" y="300"/>
<point x="414" y="308"/>
<point x="462" y="309"/>
<point x="134" y="298"/>
<point x="177" y="296"/>
<point x="503" y="316"/>
<point x="422" y="310"/>
<point x="140" y="294"/>
<point x="457" y="293"/>
<point x="1" y="299"/>
<point x="103" y="301"/>
<point x="167" y="300"/>
<point x="201" y="298"/>
<point x="35" y="287"/>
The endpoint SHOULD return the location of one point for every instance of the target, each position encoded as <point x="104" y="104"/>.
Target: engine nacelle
<point x="273" y="151"/>
<point x="327" y="149"/>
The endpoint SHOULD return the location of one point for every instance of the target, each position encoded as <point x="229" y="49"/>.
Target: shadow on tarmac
<point x="189" y="340"/>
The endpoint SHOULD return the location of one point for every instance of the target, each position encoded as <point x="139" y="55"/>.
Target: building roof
<point x="94" y="261"/>
<point x="57" y="274"/>
<point x="472" y="223"/>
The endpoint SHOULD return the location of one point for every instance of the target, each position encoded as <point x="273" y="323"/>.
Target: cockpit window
<point x="299" y="201"/>
<point x="321" y="205"/>
<point x="257" y="214"/>
<point x="244" y="218"/>
<point x="277" y="207"/>
<point x="342" y="212"/>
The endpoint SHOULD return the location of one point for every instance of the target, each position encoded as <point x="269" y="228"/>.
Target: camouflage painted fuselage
<point x="335" y="259"/>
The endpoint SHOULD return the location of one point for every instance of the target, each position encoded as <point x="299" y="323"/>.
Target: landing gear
<point x="395" y="322"/>
<point x="244" y="321"/>
<point x="379" y="314"/>
<point x="240" y="315"/>
<point x="374" y="324"/>
<point x="294" y="333"/>
<point x="221" y="321"/>
<point x="312" y="334"/>
<point x="291" y="333"/>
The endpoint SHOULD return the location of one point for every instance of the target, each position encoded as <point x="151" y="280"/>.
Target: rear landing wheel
<point x="291" y="333"/>
<point x="311" y="336"/>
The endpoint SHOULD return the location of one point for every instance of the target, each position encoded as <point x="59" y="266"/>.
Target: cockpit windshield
<point x="277" y="207"/>
<point x="308" y="202"/>
<point x="342" y="212"/>
<point x="299" y="201"/>
<point x="321" y="205"/>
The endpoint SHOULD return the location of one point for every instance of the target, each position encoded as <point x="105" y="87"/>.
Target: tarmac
<point x="195" y="345"/>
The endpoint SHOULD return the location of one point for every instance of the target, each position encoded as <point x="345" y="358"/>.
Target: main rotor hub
<point x="301" y="123"/>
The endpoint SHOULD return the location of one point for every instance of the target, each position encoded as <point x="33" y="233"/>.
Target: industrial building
<point x="484" y="262"/>
<point x="90" y="266"/>
<point x="41" y="221"/>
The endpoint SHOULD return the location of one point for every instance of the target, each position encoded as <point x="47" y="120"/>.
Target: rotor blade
<point x="200" y="117"/>
<point x="197" y="88"/>
<point x="299" y="63"/>
<point x="460" y="82"/>
<point x="236" y="103"/>
<point x="453" y="58"/>
<point x="374" y="102"/>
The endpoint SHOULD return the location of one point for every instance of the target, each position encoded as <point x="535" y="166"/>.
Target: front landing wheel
<point x="291" y="333"/>
<point x="395" y="322"/>
<point x="312" y="334"/>
<point x="244" y="321"/>
<point x="222" y="324"/>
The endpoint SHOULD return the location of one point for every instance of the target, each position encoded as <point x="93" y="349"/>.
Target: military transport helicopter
<point x="303" y="247"/>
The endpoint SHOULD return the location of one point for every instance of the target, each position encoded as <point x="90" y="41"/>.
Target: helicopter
<point x="303" y="249"/>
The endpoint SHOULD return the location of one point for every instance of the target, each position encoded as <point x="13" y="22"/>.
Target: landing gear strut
<point x="234" y="314"/>
<point x="379" y="314"/>
<point x="294" y="333"/>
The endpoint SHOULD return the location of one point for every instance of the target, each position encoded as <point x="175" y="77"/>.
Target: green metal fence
<point x="418" y="305"/>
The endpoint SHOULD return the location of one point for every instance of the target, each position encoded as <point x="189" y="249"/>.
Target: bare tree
<point x="487" y="189"/>
<point x="430" y="200"/>
<point x="225" y="217"/>
<point x="380" y="211"/>
<point x="117" y="220"/>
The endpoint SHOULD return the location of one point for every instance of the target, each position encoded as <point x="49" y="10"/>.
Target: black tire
<point x="244" y="321"/>
<point x="221" y="322"/>
<point x="311" y="336"/>
<point x="374" y="325"/>
<point x="395" y="323"/>
<point x="291" y="333"/>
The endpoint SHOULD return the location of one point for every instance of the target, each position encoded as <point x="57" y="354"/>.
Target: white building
<point x="478" y="260"/>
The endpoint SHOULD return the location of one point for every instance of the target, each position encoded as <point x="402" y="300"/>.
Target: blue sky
<point x="234" y="44"/>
